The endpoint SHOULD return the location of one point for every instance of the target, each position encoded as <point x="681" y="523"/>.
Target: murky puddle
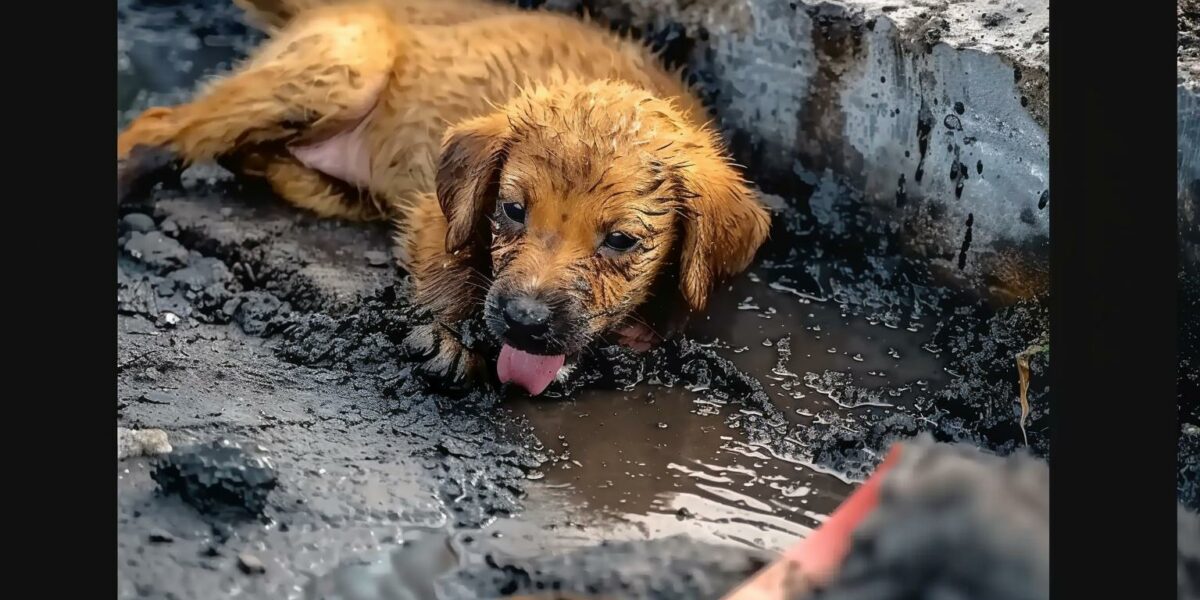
<point x="665" y="460"/>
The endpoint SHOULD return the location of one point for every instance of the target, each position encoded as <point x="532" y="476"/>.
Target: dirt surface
<point x="244" y="320"/>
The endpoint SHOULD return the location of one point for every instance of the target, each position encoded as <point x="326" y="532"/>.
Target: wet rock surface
<point x="242" y="318"/>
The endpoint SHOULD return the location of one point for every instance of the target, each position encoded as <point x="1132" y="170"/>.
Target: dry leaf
<point x="1023" y="381"/>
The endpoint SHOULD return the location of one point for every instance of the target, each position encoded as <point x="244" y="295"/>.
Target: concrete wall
<point x="937" y="113"/>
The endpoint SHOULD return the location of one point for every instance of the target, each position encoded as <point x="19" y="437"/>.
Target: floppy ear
<point x="472" y="153"/>
<point x="724" y="226"/>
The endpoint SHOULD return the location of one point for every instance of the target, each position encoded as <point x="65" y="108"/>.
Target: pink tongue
<point x="529" y="371"/>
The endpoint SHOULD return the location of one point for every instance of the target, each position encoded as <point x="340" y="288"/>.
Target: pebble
<point x="143" y="442"/>
<point x="139" y="222"/>
<point x="251" y="564"/>
<point x="160" y="536"/>
<point x="375" y="258"/>
<point x="167" y="319"/>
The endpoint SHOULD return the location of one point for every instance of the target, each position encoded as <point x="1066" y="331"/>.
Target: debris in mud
<point x="218" y="477"/>
<point x="160" y="536"/>
<point x="992" y="19"/>
<point x="141" y="442"/>
<point x="377" y="258"/>
<point x="1023" y="381"/>
<point x="251" y="564"/>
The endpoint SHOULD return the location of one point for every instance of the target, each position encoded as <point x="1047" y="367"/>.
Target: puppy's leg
<point x="319" y="193"/>
<point x="451" y="287"/>
<point x="320" y="76"/>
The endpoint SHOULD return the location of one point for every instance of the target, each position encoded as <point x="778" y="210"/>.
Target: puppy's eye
<point x="619" y="241"/>
<point x="514" y="211"/>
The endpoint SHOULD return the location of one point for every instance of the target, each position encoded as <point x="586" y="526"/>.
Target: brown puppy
<point x="541" y="171"/>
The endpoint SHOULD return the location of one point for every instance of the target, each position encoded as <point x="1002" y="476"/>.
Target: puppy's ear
<point x="724" y="225"/>
<point x="472" y="154"/>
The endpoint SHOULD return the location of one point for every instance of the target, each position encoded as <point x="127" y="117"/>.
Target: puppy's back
<point x="272" y="15"/>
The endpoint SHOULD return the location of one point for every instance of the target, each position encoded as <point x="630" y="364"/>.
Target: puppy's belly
<point x="343" y="156"/>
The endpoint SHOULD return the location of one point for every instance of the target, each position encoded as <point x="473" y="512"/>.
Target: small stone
<point x="167" y="319"/>
<point x="159" y="536"/>
<point x="683" y="513"/>
<point x="144" y="442"/>
<point x="250" y="564"/>
<point x="139" y="222"/>
<point x="992" y="19"/>
<point x="375" y="258"/>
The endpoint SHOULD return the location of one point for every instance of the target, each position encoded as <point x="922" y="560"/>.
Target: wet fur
<point x="456" y="103"/>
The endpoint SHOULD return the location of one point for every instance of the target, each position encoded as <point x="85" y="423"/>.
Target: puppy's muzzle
<point x="527" y="320"/>
<point x="536" y="336"/>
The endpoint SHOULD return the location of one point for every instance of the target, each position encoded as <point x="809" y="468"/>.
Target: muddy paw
<point x="144" y="167"/>
<point x="445" y="360"/>
<point x="637" y="337"/>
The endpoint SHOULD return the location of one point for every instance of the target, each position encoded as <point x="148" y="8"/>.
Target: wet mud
<point x="242" y="319"/>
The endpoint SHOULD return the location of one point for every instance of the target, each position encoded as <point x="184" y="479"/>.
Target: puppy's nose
<point x="526" y="316"/>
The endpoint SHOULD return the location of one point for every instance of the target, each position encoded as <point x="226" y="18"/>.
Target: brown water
<point x="664" y="460"/>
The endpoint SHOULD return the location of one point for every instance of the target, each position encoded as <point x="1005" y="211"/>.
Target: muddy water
<point x="665" y="460"/>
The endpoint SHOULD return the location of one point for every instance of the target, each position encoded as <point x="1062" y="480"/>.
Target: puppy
<point x="543" y="174"/>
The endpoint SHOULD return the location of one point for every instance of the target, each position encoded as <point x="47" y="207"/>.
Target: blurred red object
<point x="815" y="559"/>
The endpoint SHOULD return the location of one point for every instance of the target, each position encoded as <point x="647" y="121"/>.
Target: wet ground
<point x="241" y="319"/>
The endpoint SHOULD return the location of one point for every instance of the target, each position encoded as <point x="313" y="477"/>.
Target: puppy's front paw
<point x="142" y="168"/>
<point x="446" y="360"/>
<point x="637" y="337"/>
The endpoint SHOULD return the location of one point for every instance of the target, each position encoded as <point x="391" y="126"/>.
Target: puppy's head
<point x="587" y="195"/>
